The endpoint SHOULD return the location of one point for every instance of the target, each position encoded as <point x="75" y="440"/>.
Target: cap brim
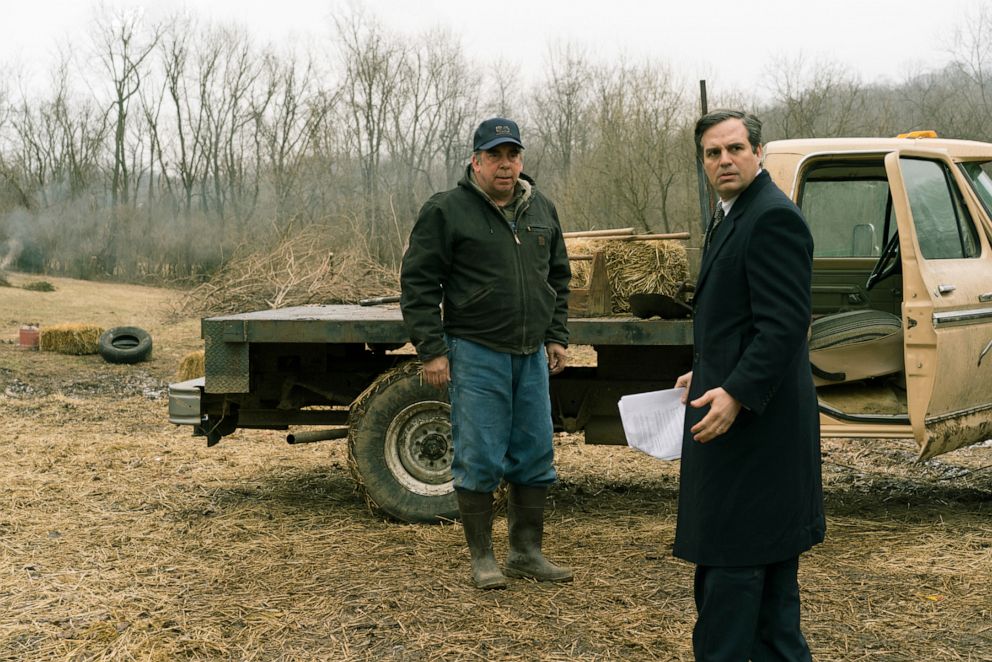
<point x="499" y="141"/>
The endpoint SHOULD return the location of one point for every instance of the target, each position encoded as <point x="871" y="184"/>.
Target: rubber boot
<point x="476" y="510"/>
<point x="525" y="515"/>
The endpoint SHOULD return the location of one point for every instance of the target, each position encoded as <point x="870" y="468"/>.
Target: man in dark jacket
<point x="485" y="298"/>
<point x="750" y="495"/>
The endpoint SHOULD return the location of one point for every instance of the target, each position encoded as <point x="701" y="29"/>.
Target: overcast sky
<point x="728" y="43"/>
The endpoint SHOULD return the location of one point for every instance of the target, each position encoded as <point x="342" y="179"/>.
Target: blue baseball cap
<point x="496" y="131"/>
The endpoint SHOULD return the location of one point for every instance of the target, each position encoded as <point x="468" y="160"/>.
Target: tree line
<point x="175" y="144"/>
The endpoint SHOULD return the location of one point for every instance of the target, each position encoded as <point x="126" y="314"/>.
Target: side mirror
<point x="863" y="240"/>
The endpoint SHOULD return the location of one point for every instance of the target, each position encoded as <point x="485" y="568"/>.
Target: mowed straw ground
<point x="122" y="537"/>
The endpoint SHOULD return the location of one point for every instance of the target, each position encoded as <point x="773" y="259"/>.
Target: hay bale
<point x="192" y="366"/>
<point x="70" y="338"/>
<point x="633" y="267"/>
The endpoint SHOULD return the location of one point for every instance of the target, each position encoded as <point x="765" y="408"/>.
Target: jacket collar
<point x="524" y="189"/>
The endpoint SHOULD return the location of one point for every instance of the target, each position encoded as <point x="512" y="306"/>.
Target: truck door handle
<point x="984" y="352"/>
<point x="946" y="289"/>
<point x="985" y="297"/>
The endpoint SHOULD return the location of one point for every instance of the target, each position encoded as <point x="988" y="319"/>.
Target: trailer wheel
<point x="399" y="447"/>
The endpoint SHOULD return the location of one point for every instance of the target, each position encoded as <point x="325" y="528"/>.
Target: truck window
<point x="944" y="227"/>
<point x="847" y="208"/>
<point x="980" y="176"/>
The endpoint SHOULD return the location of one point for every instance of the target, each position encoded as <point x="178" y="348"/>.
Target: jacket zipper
<point x="521" y="210"/>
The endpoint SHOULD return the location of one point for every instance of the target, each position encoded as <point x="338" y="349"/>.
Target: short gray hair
<point x="712" y="118"/>
<point x="477" y="154"/>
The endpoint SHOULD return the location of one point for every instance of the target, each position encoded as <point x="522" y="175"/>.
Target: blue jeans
<point x="500" y="417"/>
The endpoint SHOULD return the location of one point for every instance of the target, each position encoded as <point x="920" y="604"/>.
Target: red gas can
<point x="29" y="337"/>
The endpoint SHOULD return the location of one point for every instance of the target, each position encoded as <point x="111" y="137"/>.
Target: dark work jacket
<point x="505" y="290"/>
<point x="753" y="495"/>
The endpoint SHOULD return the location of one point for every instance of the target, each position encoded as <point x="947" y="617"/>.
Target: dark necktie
<point x="714" y="222"/>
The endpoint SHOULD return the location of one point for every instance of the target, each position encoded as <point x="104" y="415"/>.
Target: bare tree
<point x="504" y="79"/>
<point x="430" y="115"/>
<point x="373" y="65"/>
<point x="179" y="147"/>
<point x="972" y="66"/>
<point x="561" y="107"/>
<point x="229" y="141"/>
<point x="10" y="171"/>
<point x="81" y="131"/>
<point x="459" y="115"/>
<point x="123" y="50"/>
<point x="289" y="114"/>
<point x="635" y="162"/>
<point x="815" y="99"/>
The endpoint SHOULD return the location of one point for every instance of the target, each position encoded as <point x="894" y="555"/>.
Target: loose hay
<point x="70" y="338"/>
<point x="192" y="366"/>
<point x="633" y="267"/>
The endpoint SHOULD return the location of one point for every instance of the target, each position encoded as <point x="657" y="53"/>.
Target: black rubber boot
<point x="525" y="515"/>
<point x="476" y="510"/>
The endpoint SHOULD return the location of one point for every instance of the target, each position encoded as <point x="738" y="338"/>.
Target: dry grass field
<point x="123" y="538"/>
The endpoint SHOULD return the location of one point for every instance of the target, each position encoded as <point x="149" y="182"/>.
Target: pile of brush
<point x="299" y="270"/>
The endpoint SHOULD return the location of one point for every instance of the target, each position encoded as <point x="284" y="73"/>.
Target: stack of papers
<point x="652" y="422"/>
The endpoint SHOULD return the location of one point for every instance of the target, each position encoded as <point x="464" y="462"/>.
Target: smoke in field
<point x="11" y="251"/>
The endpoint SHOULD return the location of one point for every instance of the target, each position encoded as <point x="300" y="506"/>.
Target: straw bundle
<point x="633" y="267"/>
<point x="70" y="338"/>
<point x="191" y="366"/>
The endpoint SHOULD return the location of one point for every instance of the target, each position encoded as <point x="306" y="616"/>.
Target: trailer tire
<point x="399" y="447"/>
<point x="125" y="344"/>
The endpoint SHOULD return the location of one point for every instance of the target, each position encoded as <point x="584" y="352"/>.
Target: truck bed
<point x="384" y="324"/>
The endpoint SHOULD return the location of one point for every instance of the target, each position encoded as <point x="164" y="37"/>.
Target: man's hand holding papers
<point x="652" y="422"/>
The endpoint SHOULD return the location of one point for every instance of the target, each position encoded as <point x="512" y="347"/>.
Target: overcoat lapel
<point x="722" y="235"/>
<point x="719" y="239"/>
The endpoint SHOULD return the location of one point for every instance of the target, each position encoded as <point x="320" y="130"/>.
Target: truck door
<point x="947" y="301"/>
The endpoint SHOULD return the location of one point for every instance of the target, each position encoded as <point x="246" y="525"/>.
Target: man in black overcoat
<point x="750" y="495"/>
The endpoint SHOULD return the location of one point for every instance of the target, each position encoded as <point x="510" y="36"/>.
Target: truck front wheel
<point x="399" y="447"/>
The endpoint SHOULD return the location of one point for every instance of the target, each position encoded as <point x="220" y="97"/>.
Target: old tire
<point x="399" y="447"/>
<point x="125" y="344"/>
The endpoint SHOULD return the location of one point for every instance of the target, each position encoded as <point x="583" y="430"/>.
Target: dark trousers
<point x="748" y="613"/>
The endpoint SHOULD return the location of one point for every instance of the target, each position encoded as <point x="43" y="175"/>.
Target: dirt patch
<point x="122" y="537"/>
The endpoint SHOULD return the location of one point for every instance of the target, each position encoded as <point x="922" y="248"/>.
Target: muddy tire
<point x="399" y="447"/>
<point x="125" y="344"/>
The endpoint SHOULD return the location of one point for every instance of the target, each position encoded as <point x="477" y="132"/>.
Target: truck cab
<point x="901" y="227"/>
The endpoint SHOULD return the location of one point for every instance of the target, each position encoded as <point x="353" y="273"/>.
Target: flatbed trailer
<point x="349" y="370"/>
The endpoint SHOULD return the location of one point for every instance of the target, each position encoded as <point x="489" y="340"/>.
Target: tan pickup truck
<point x="902" y="283"/>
